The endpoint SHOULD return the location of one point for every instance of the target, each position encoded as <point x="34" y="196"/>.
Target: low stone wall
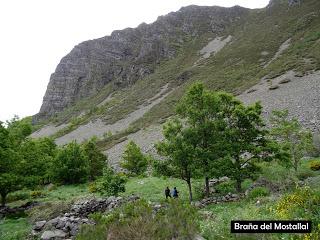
<point x="230" y="197"/>
<point x="262" y="182"/>
<point x="68" y="225"/>
<point x="4" y="211"/>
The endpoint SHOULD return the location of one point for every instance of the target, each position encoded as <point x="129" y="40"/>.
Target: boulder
<point x="53" y="235"/>
<point x="39" y="225"/>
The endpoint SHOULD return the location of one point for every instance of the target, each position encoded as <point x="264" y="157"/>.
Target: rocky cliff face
<point x="129" y="54"/>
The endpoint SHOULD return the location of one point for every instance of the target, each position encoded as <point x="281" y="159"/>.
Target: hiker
<point x="167" y="192"/>
<point x="175" y="192"/>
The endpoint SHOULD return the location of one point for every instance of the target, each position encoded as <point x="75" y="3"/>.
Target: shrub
<point x="92" y="187"/>
<point x="303" y="203"/>
<point x="19" y="195"/>
<point x="298" y="204"/>
<point x="198" y="190"/>
<point x="133" y="159"/>
<point x="136" y="221"/>
<point x="246" y="184"/>
<point x="258" y="192"/>
<point x="162" y="168"/>
<point x="37" y="194"/>
<point x="95" y="158"/>
<point x="70" y="165"/>
<point x="315" y="165"/>
<point x="225" y="187"/>
<point x="110" y="184"/>
<point x="305" y="173"/>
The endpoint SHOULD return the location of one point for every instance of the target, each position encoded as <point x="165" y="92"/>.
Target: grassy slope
<point x="219" y="226"/>
<point x="14" y="229"/>
<point x="152" y="188"/>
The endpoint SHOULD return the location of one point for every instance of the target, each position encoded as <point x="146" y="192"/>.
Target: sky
<point x="36" y="34"/>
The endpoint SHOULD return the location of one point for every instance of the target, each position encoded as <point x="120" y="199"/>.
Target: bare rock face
<point x="129" y="54"/>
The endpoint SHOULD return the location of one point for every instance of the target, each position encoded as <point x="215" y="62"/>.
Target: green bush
<point x="162" y="168"/>
<point x="19" y="195"/>
<point x="246" y="184"/>
<point x="315" y="165"/>
<point x="92" y="188"/>
<point x="258" y="192"/>
<point x="303" y="203"/>
<point x="37" y="194"/>
<point x="95" y="158"/>
<point x="136" y="221"/>
<point x="198" y="190"/>
<point x="70" y="165"/>
<point x="304" y="173"/>
<point x="133" y="159"/>
<point x="225" y="187"/>
<point x="110" y="184"/>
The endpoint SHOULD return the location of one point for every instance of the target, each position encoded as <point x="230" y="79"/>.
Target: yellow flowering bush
<point x="315" y="165"/>
<point x="303" y="203"/>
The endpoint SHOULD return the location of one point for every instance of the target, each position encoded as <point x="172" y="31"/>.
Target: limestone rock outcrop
<point x="128" y="55"/>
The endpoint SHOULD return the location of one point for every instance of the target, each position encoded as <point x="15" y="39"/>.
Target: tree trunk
<point x="3" y="199"/>
<point x="296" y="167"/>
<point x="190" y="190"/>
<point x="238" y="185"/>
<point x="207" y="187"/>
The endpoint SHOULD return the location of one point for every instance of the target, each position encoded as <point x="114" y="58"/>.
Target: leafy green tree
<point x="245" y="142"/>
<point x="133" y="159"/>
<point x="37" y="157"/>
<point x="203" y="112"/>
<point x="96" y="159"/>
<point x="10" y="137"/>
<point x="291" y="136"/>
<point x="70" y="165"/>
<point x="230" y="137"/>
<point x="179" y="148"/>
<point x="18" y="130"/>
<point x="9" y="180"/>
<point x="110" y="184"/>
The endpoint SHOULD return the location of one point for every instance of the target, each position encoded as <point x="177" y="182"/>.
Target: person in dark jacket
<point x="167" y="192"/>
<point x="175" y="192"/>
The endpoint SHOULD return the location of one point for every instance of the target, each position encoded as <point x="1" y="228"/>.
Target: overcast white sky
<point x="36" y="34"/>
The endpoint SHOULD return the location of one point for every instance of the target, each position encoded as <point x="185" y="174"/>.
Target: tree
<point x="245" y="142"/>
<point x="291" y="136"/>
<point x="133" y="159"/>
<point x="230" y="137"/>
<point x="19" y="130"/>
<point x="179" y="148"/>
<point x="70" y="165"/>
<point x="96" y="159"/>
<point x="37" y="157"/>
<point x="202" y="111"/>
<point x="11" y="137"/>
<point x="110" y="183"/>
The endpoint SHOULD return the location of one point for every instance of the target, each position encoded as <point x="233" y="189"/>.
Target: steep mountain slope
<point x="123" y="86"/>
<point x="130" y="54"/>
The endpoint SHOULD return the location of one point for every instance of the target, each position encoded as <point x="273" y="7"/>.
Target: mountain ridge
<point x="270" y="54"/>
<point x="127" y="55"/>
